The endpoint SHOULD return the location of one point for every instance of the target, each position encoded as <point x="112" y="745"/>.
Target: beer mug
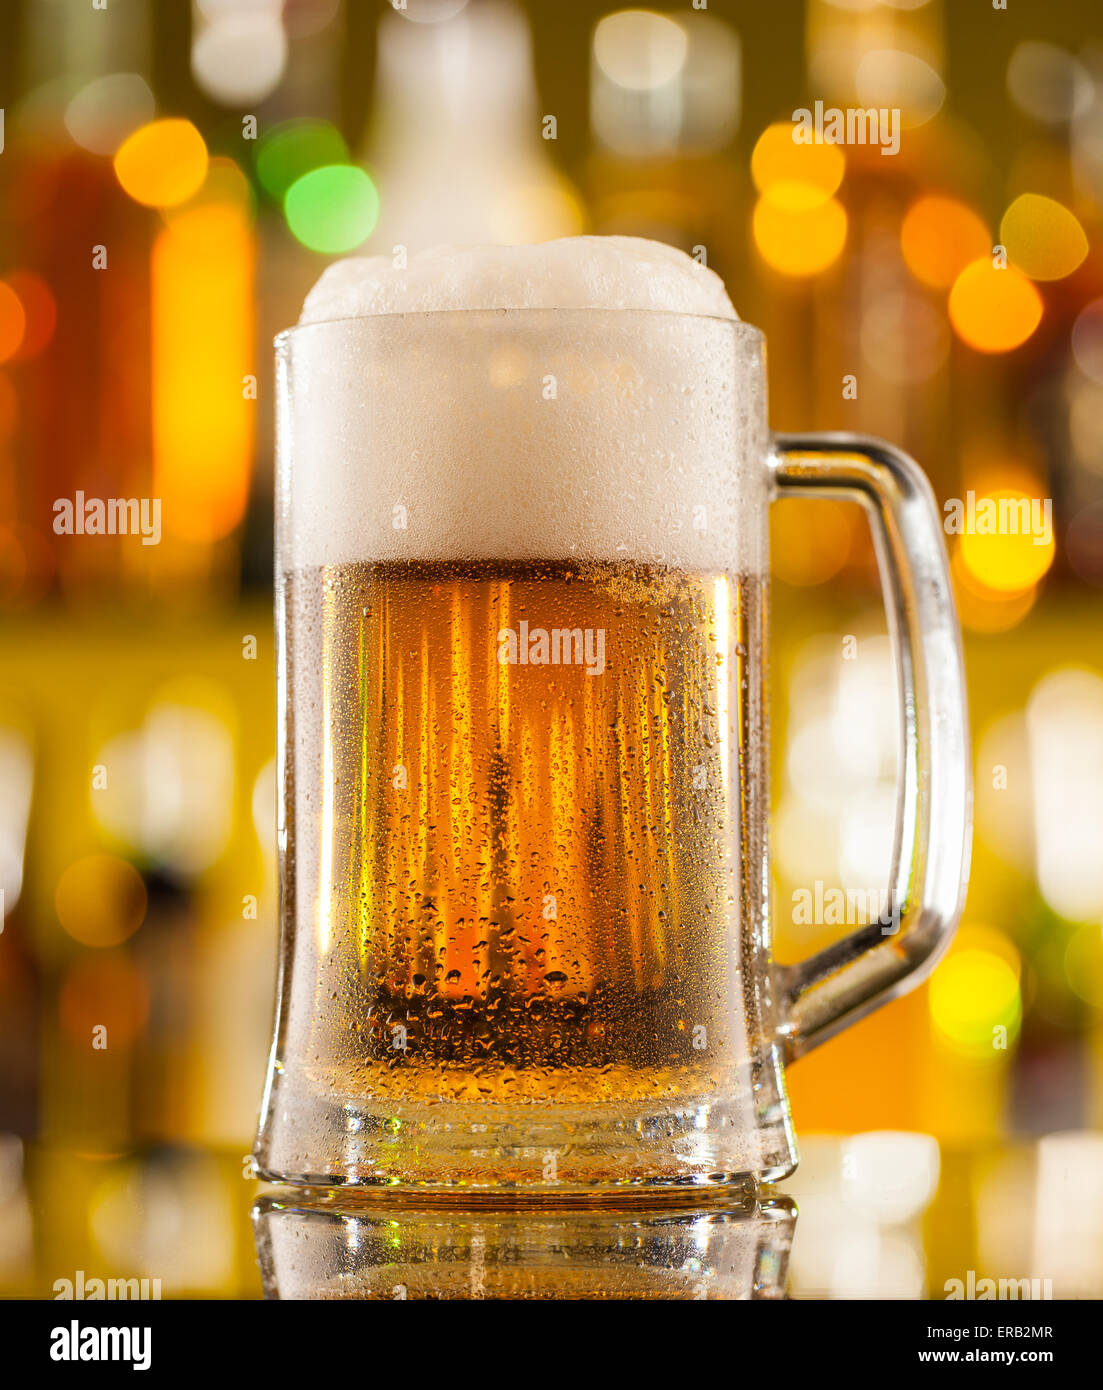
<point x="522" y="603"/>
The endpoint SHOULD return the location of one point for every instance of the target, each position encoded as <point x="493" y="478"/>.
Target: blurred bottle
<point x="84" y="398"/>
<point x="456" y="139"/>
<point x="665" y="101"/>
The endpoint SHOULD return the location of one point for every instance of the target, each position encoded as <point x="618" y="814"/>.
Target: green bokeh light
<point x="293" y="149"/>
<point x="332" y="209"/>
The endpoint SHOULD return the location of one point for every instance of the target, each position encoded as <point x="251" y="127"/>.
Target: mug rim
<point x="741" y="326"/>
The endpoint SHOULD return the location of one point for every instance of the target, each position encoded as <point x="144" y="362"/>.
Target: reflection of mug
<point x="523" y="753"/>
<point x="338" y="1247"/>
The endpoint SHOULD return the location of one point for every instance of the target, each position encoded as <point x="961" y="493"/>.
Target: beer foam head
<point x="586" y="272"/>
<point x="598" y="400"/>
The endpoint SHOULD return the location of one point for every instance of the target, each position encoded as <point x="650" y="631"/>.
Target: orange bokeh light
<point x="100" y="900"/>
<point x="203" y="422"/>
<point x="162" y="163"/>
<point x="994" y="310"/>
<point x="39" y="308"/>
<point x="13" y="322"/>
<point x="802" y="241"/>
<point x="795" y="176"/>
<point x="939" y="237"/>
<point x="1009" y="561"/>
<point x="985" y="610"/>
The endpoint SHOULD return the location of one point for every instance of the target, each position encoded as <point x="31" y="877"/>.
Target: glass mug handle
<point x="930" y="858"/>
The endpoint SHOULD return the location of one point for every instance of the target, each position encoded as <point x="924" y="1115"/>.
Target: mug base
<point x="554" y="1148"/>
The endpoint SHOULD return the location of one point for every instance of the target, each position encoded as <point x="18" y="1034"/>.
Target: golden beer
<point x="522" y="844"/>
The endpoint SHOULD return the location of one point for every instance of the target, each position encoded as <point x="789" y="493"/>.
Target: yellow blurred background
<point x="174" y="177"/>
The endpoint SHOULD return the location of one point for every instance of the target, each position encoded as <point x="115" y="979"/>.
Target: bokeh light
<point x="890" y="77"/>
<point x="1068" y="1212"/>
<point x="239" y="53"/>
<point x="1047" y="82"/>
<point x="203" y="425"/>
<point x="293" y="149"/>
<point x="658" y="84"/>
<point x="799" y="242"/>
<point x="1009" y="560"/>
<point x="39" y="310"/>
<point x="17" y="779"/>
<point x="263" y="806"/>
<point x="1086" y="139"/>
<point x="1004" y="822"/>
<point x="1043" y="238"/>
<point x="103" y="113"/>
<point x="1084" y="543"/>
<point x="986" y="610"/>
<point x="639" y="49"/>
<point x="1085" y="423"/>
<point x="1087" y="340"/>
<point x="168" y="1214"/>
<point x="792" y="176"/>
<point x="13" y="322"/>
<point x="939" y="237"/>
<point x="163" y="163"/>
<point x="431" y="11"/>
<point x="994" y="310"/>
<point x="1084" y="964"/>
<point x="1065" y="726"/>
<point x="332" y="209"/>
<point x="889" y="1176"/>
<point x="171" y="795"/>
<point x="100" y="900"/>
<point x="975" y="992"/>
